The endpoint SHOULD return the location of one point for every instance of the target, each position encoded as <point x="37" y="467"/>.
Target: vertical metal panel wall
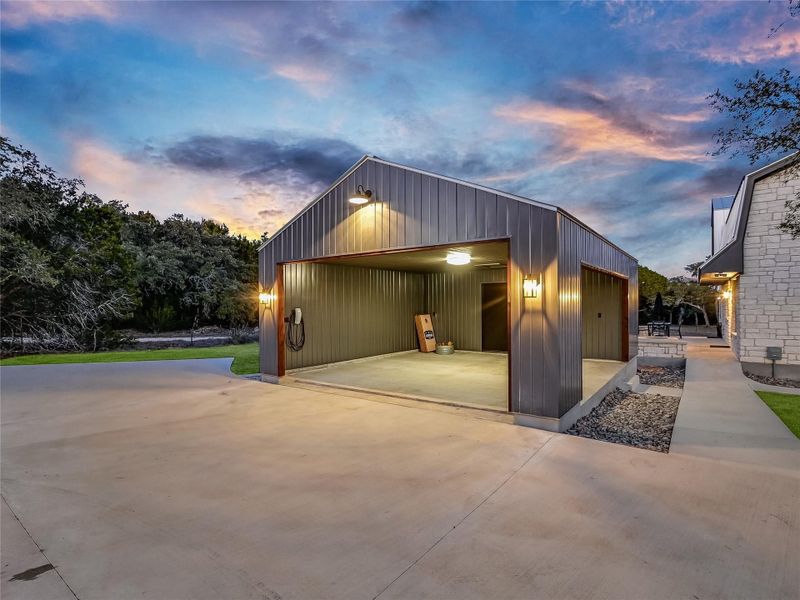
<point x="578" y="246"/>
<point x="413" y="209"/>
<point x="454" y="300"/>
<point x="352" y="312"/>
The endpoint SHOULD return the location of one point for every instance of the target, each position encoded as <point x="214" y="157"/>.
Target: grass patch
<point x="786" y="406"/>
<point x="245" y="356"/>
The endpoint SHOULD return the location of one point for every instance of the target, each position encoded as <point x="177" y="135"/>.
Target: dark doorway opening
<point x="494" y="317"/>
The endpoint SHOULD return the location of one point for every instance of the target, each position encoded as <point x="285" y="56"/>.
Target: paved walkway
<point x="721" y="417"/>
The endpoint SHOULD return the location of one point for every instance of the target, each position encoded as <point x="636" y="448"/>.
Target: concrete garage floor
<point x="176" y="480"/>
<point x="477" y="379"/>
<point x="470" y="378"/>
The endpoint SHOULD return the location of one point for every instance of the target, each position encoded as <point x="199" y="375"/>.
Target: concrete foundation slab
<point x="478" y="379"/>
<point x="597" y="373"/>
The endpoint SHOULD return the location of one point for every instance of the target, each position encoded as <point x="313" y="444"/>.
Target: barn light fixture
<point x="360" y="196"/>
<point x="265" y="298"/>
<point x="458" y="258"/>
<point x="531" y="286"/>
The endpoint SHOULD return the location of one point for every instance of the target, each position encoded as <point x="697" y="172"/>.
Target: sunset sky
<point x="243" y="112"/>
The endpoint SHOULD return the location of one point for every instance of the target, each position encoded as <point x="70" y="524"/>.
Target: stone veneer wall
<point x="658" y="351"/>
<point x="766" y="297"/>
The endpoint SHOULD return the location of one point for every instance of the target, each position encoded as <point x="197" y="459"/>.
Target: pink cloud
<point x="695" y="116"/>
<point x="741" y="32"/>
<point x="579" y="132"/>
<point x="18" y="14"/>
<point x="302" y="74"/>
<point x="245" y="207"/>
<point x="314" y="80"/>
<point x="754" y="48"/>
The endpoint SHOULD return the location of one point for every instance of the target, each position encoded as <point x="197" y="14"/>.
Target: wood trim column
<point x="625" y="319"/>
<point x="281" y="325"/>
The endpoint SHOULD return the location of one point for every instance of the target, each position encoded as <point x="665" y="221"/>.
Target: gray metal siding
<point x="352" y="312"/>
<point x="412" y="209"/>
<point x="454" y="301"/>
<point x="579" y="246"/>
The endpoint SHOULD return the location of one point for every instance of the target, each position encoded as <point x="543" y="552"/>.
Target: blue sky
<point x="242" y="112"/>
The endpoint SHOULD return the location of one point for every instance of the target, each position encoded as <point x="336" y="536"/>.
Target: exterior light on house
<point x="265" y="298"/>
<point x="726" y="295"/>
<point x="458" y="258"/>
<point x="531" y="286"/>
<point x="360" y="196"/>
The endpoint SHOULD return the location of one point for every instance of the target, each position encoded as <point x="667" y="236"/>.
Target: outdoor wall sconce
<point x="531" y="287"/>
<point x="265" y="298"/>
<point x="726" y="295"/>
<point x="360" y="196"/>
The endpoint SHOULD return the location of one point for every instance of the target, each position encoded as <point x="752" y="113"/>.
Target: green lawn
<point x="245" y="356"/>
<point x="786" y="406"/>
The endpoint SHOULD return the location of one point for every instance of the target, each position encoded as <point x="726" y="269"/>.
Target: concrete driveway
<point x="175" y="480"/>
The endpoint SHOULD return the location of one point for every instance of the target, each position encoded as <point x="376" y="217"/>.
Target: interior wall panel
<point x="454" y="301"/>
<point x="352" y="312"/>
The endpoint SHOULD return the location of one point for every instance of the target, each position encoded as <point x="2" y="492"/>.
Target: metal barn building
<point x="540" y="309"/>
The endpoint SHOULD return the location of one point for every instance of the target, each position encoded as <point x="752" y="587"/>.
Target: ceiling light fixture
<point x="360" y="196"/>
<point x="458" y="258"/>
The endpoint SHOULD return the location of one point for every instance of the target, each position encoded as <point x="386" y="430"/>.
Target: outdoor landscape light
<point x="360" y="196"/>
<point x="265" y="298"/>
<point x="458" y="258"/>
<point x="531" y="286"/>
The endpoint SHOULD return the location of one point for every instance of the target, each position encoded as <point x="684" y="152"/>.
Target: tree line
<point x="75" y="270"/>
<point x="676" y="299"/>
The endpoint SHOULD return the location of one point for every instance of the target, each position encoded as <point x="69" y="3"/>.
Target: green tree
<point x="694" y="268"/>
<point x="65" y="275"/>
<point x="74" y="269"/>
<point x="194" y="271"/>
<point x="764" y="123"/>
<point x="650" y="284"/>
<point x="686" y="292"/>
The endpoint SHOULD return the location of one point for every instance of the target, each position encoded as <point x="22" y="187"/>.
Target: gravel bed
<point x="774" y="380"/>
<point x="666" y="376"/>
<point x="639" y="420"/>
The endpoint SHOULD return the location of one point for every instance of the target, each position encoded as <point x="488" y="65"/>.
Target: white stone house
<point x="756" y="267"/>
